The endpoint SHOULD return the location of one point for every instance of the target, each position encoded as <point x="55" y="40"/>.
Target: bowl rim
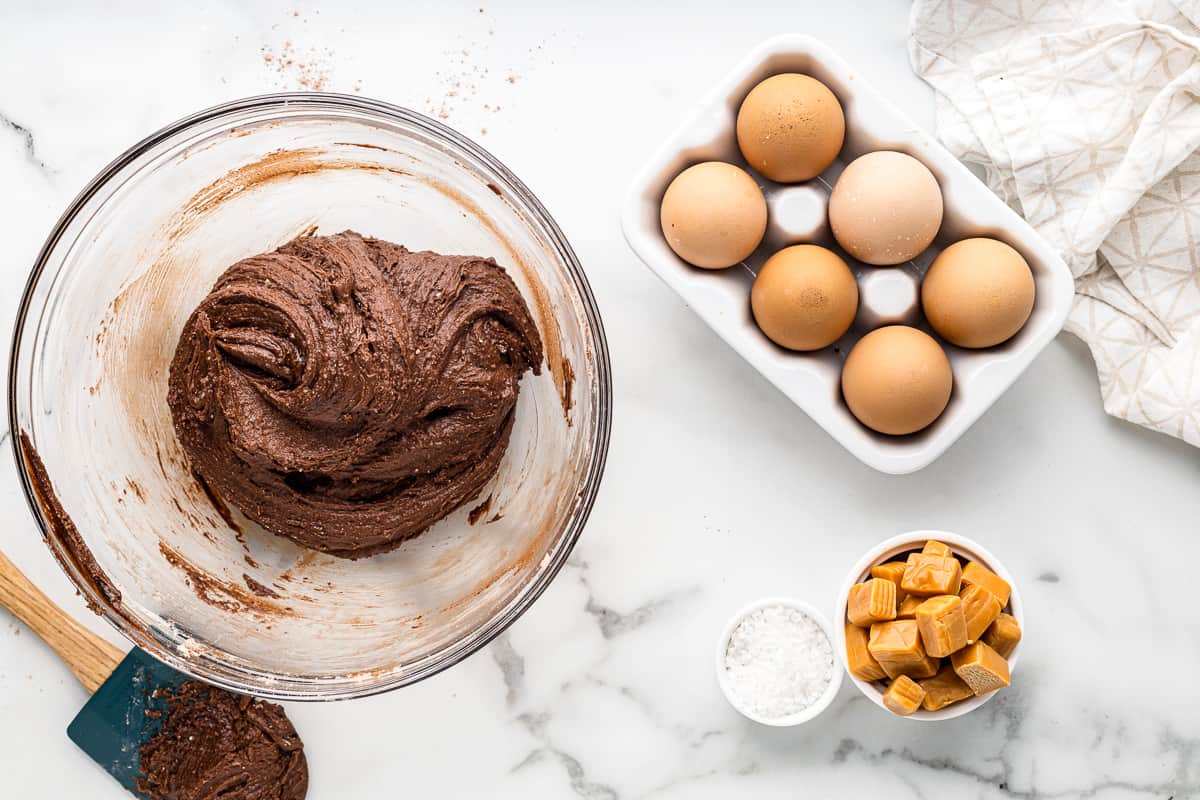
<point x="820" y="704"/>
<point x="285" y="686"/>
<point x="903" y="542"/>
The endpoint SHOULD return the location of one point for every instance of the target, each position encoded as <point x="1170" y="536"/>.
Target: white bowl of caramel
<point x="929" y="625"/>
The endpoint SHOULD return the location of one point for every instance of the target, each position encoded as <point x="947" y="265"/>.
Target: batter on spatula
<point x="347" y="393"/>
<point x="216" y="744"/>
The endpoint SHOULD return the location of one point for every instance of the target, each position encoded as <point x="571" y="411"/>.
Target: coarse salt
<point x="778" y="662"/>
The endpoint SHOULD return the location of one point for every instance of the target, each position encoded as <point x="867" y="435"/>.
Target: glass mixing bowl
<point x="201" y="587"/>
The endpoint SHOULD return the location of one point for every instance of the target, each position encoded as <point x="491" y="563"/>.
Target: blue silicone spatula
<point x="124" y="711"/>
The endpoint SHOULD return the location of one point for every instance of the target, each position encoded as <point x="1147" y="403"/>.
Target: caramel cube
<point x="944" y="689"/>
<point x="899" y="640"/>
<point x="942" y="624"/>
<point x="904" y="696"/>
<point x="927" y="667"/>
<point x="976" y="573"/>
<point x="981" y="668"/>
<point x="908" y="607"/>
<point x="936" y="548"/>
<point x="871" y="602"/>
<point x="981" y="608"/>
<point x="897" y="647"/>
<point x="859" y="660"/>
<point x="1003" y="635"/>
<point x="891" y="571"/>
<point x="928" y="575"/>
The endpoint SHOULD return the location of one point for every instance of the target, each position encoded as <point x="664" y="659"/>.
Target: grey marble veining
<point x="28" y="143"/>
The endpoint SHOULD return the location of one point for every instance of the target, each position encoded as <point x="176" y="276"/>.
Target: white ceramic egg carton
<point x="888" y="295"/>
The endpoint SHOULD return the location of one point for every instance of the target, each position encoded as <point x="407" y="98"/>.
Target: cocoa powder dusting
<point x="294" y="69"/>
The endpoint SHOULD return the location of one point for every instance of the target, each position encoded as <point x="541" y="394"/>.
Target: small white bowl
<point x="888" y="550"/>
<point x="835" y="679"/>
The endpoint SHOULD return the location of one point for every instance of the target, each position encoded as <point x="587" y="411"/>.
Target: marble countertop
<point x="718" y="490"/>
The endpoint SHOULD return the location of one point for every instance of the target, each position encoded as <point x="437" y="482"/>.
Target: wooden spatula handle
<point x="87" y="655"/>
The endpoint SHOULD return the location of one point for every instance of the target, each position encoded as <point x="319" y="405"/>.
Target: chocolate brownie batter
<point x="62" y="527"/>
<point x="217" y="744"/>
<point x="347" y="393"/>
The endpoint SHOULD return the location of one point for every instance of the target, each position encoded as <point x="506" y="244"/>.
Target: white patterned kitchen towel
<point x="1085" y="117"/>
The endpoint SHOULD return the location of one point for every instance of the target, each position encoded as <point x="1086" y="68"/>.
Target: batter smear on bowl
<point x="347" y="393"/>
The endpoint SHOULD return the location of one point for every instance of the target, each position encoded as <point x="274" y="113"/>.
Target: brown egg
<point x="978" y="293"/>
<point x="713" y="215"/>
<point x="790" y="127"/>
<point x="897" y="380"/>
<point x="804" y="297"/>
<point x="886" y="208"/>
